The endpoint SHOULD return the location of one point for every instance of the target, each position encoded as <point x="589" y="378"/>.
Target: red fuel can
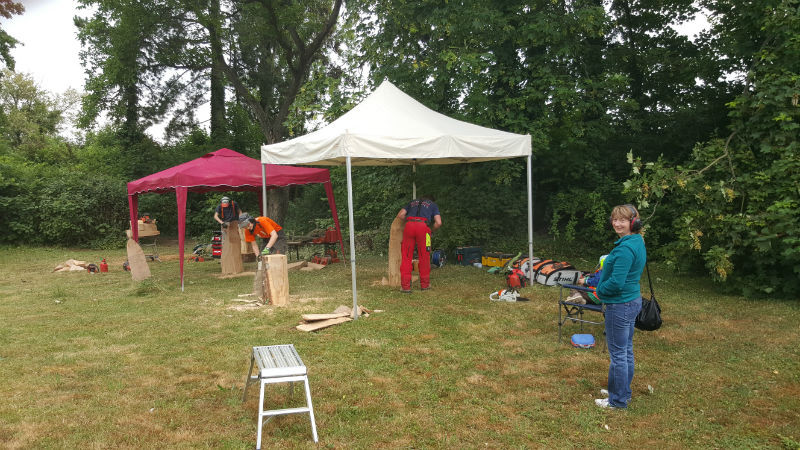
<point x="103" y="266"/>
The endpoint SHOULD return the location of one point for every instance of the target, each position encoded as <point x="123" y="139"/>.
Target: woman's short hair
<point x="624" y="212"/>
<point x="627" y="212"/>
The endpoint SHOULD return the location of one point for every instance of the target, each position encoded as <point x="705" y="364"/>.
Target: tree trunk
<point x="278" y="204"/>
<point x="218" y="123"/>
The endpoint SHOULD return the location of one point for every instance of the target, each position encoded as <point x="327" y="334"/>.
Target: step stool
<point x="278" y="364"/>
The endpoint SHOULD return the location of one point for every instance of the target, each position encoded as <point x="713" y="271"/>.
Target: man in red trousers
<point x="418" y="214"/>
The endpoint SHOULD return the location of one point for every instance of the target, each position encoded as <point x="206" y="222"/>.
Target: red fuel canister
<point x="103" y="266"/>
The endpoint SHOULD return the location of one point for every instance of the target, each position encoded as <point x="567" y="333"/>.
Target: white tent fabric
<point x="391" y="128"/>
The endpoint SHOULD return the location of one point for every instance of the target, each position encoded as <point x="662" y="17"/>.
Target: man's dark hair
<point x="428" y="197"/>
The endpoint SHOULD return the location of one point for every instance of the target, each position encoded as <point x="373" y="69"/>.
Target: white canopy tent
<point x="391" y="128"/>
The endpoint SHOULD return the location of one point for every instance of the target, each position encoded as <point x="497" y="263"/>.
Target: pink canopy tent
<point x="222" y="170"/>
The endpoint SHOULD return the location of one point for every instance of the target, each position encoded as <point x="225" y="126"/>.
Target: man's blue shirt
<point x="422" y="208"/>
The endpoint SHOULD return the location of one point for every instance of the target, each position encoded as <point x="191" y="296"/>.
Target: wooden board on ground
<point x="318" y="325"/>
<point x="71" y="265"/>
<point x="312" y="266"/>
<point x="344" y="309"/>
<point x="231" y="250"/>
<point x="296" y="265"/>
<point x="395" y="253"/>
<point x="313" y="317"/>
<point x="138" y="263"/>
<point x="235" y="275"/>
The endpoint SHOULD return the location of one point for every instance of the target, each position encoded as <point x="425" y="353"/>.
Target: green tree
<point x="8" y="9"/>
<point x="734" y="203"/>
<point x="136" y="56"/>
<point x="675" y="87"/>
<point x="29" y="117"/>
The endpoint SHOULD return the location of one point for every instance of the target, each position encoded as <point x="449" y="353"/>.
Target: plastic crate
<point x="467" y="256"/>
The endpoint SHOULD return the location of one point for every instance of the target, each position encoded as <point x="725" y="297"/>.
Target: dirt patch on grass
<point x="20" y="435"/>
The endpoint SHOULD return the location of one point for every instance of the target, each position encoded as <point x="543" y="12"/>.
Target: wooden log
<point x="137" y="262"/>
<point x="314" y="317"/>
<point x="322" y="324"/>
<point x="395" y="253"/>
<point x="278" y="276"/>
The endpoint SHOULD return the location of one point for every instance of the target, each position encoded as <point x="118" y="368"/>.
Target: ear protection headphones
<point x="636" y="222"/>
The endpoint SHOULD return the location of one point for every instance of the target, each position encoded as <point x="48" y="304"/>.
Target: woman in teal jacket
<point x="619" y="290"/>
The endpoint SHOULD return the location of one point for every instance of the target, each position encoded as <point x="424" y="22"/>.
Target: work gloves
<point x="266" y="251"/>
<point x="224" y="225"/>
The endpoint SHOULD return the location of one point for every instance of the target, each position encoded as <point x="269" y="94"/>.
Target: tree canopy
<point x="700" y="132"/>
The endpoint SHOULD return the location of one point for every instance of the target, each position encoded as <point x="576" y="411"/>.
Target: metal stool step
<point x="278" y="364"/>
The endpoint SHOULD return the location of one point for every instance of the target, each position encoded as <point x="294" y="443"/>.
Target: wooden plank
<point x="344" y="309"/>
<point x="395" y="253"/>
<point x="235" y="275"/>
<point x="137" y="262"/>
<point x="231" y="261"/>
<point x="322" y="324"/>
<point x="313" y="317"/>
<point x="313" y="266"/>
<point x="296" y="265"/>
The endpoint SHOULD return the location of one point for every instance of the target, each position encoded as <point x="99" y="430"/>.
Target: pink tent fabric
<point x="222" y="170"/>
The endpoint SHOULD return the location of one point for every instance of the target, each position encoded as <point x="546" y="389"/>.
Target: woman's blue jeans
<point x="619" y="320"/>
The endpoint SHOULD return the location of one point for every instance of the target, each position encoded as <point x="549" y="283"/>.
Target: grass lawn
<point x="98" y="361"/>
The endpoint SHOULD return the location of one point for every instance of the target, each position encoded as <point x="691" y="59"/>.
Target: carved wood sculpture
<point x="231" y="250"/>
<point x="137" y="262"/>
<point x="395" y="255"/>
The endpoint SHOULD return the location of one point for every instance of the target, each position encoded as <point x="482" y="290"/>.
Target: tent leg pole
<point x="414" y="181"/>
<point x="530" y="218"/>
<point x="263" y="189"/>
<point x="352" y="236"/>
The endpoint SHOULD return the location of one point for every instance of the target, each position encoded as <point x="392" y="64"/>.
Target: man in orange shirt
<point x="266" y="229"/>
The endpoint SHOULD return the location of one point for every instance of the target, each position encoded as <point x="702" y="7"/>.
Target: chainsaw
<point x="507" y="295"/>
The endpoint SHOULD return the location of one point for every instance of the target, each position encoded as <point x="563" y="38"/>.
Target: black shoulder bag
<point x="649" y="318"/>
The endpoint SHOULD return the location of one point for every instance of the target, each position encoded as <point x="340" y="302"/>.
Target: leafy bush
<point x="580" y="216"/>
<point x="71" y="210"/>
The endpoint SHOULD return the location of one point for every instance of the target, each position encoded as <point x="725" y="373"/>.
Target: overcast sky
<point x="49" y="45"/>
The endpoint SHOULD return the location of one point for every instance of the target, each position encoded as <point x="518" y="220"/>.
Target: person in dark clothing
<point x="226" y="212"/>
<point x="422" y="218"/>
